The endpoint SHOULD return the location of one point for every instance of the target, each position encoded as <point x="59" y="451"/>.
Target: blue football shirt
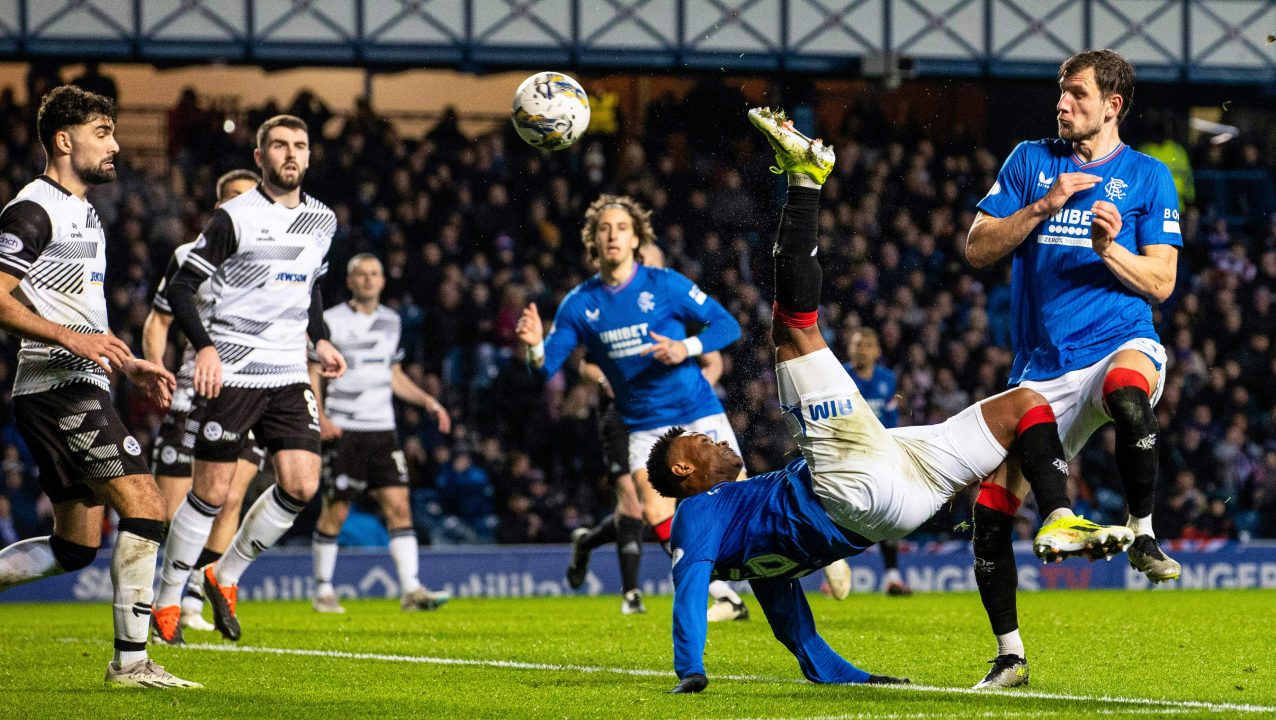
<point x="770" y="530"/>
<point x="1070" y="310"/>
<point x="615" y="325"/>
<point x="879" y="392"/>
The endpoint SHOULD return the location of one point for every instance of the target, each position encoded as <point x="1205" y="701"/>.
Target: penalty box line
<point x="638" y="672"/>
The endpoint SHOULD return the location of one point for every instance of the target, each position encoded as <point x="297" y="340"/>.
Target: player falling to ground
<point x="632" y="320"/>
<point x="357" y="416"/>
<point x="856" y="483"/>
<point x="265" y="253"/>
<point x="171" y="458"/>
<point x="624" y="527"/>
<point x="876" y="384"/>
<point x="1093" y="227"/>
<point x="53" y="251"/>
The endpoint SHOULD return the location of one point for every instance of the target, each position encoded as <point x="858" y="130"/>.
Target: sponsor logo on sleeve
<point x="696" y="294"/>
<point x="10" y="243"/>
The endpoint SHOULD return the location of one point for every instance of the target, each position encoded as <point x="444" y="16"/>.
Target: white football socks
<point x="404" y="550"/>
<point x="324" y="549"/>
<point x="132" y="574"/>
<point x="720" y="590"/>
<point x="1010" y="644"/>
<point x="1141" y="525"/>
<point x="267" y="521"/>
<point x="187" y="534"/>
<point x="28" y="560"/>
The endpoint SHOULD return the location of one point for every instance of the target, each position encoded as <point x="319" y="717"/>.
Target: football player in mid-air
<point x="358" y="419"/>
<point x="632" y="320"/>
<point x="856" y="482"/>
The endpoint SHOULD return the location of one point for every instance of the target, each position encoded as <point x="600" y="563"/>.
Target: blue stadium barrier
<point x="520" y="571"/>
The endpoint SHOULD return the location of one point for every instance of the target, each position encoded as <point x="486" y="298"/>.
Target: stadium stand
<point x="472" y="228"/>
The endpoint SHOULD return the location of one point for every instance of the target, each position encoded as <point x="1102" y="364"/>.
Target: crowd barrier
<point x="522" y="571"/>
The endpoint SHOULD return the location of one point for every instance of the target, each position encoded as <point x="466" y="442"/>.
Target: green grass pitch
<point x="1096" y="653"/>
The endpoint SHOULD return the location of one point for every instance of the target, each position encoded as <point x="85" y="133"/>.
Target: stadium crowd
<point x="473" y="228"/>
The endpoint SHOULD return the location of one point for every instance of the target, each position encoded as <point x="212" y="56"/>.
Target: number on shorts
<point x="771" y="565"/>
<point x="400" y="462"/>
<point x="311" y="404"/>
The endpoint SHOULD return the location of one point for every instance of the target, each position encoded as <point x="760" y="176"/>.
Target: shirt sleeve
<point x="784" y="604"/>
<point x="1008" y="194"/>
<point x="25" y="230"/>
<point x="160" y="301"/>
<point x="1160" y="224"/>
<point x="693" y="555"/>
<point x="693" y="305"/>
<point x="562" y="339"/>
<point x="214" y="245"/>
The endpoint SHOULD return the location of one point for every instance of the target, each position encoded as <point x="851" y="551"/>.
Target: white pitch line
<point x="998" y="714"/>
<point x="1184" y="705"/>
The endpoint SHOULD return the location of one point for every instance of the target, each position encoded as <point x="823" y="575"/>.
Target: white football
<point x="551" y="110"/>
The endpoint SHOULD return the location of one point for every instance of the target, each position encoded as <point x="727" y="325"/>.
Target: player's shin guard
<point x="132" y="574"/>
<point x="995" y="571"/>
<point x="1041" y="458"/>
<point x="267" y="521"/>
<point x="629" y="550"/>
<point x="1127" y="397"/>
<point x="406" y="554"/>
<point x="798" y="275"/>
<point x="187" y="534"/>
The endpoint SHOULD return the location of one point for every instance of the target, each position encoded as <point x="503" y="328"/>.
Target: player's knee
<point x="1027" y="399"/>
<point x="71" y="556"/>
<point x="1125" y="393"/>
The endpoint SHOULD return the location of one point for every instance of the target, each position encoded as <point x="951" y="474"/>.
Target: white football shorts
<point x="717" y="427"/>
<point x="1077" y="397"/>
<point x="880" y="483"/>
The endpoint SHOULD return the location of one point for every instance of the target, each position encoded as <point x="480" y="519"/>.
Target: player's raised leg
<point x="1127" y="396"/>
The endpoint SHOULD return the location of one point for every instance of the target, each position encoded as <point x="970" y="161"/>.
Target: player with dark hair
<point x="263" y="253"/>
<point x="1093" y="227"/>
<point x="171" y="457"/>
<point x="856" y="483"/>
<point x="53" y="252"/>
<point x="633" y="322"/>
<point x="357" y="417"/>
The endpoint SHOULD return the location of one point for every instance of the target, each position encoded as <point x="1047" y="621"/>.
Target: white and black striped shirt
<point x="361" y="399"/>
<point x="53" y="242"/>
<point x="263" y="262"/>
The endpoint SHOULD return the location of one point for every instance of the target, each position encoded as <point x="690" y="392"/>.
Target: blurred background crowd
<point x="472" y="228"/>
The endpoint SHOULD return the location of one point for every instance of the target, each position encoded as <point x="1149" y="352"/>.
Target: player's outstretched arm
<point x="547" y="354"/>
<point x="690" y="624"/>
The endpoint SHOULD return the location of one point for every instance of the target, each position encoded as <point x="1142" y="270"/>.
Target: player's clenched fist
<point x="529" y="329"/>
<point x="1065" y="186"/>
<point x="1105" y="225"/>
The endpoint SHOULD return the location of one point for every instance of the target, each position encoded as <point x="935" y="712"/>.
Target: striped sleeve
<point x="25" y="230"/>
<point x="214" y="245"/>
<point x="160" y="301"/>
